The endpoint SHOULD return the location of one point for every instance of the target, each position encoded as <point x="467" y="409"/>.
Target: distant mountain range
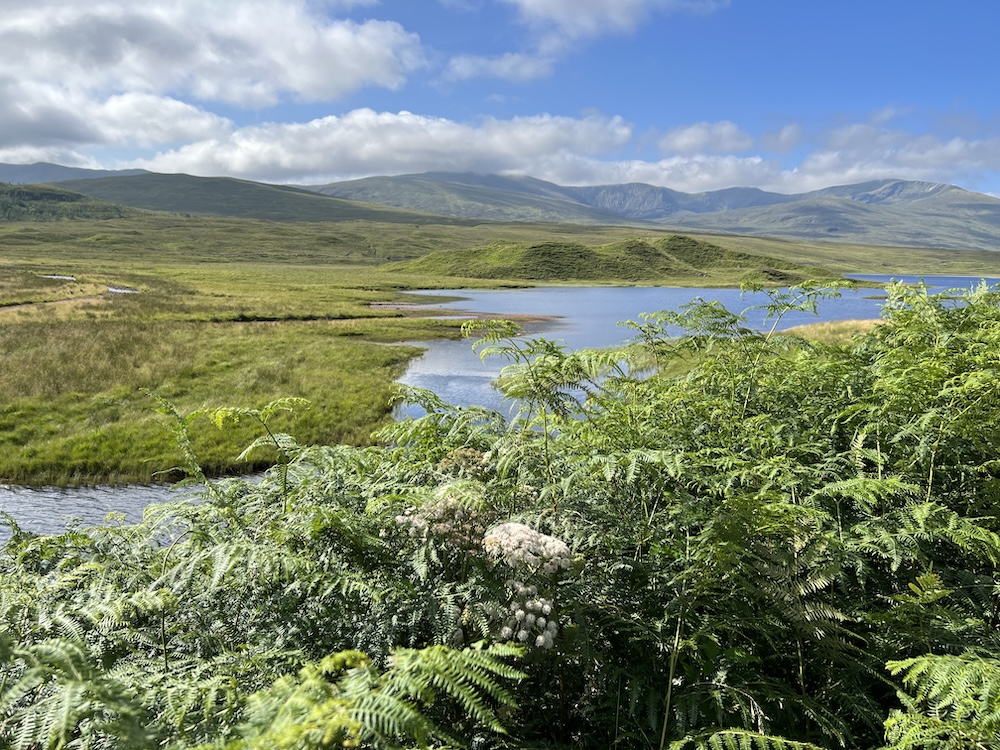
<point x="884" y="212"/>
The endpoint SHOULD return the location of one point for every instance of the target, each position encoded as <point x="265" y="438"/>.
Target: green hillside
<point x="654" y="259"/>
<point x="47" y="203"/>
<point x="224" y="196"/>
<point x="485" y="197"/>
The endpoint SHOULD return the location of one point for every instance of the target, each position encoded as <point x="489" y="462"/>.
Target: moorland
<point x="228" y="309"/>
<point x="732" y="540"/>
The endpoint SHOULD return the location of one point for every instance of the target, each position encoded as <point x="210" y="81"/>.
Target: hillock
<point x="47" y="203"/>
<point x="635" y="259"/>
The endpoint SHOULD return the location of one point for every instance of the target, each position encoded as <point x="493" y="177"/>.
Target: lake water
<point x="583" y="318"/>
<point x="590" y="318"/>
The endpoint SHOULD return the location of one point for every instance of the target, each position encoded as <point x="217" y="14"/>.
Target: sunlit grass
<point x="241" y="312"/>
<point x="834" y="331"/>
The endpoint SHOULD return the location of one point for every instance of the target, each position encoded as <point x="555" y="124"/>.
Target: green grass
<point x="671" y="259"/>
<point x="242" y="312"/>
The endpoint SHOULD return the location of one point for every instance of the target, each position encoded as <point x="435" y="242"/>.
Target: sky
<point x="694" y="95"/>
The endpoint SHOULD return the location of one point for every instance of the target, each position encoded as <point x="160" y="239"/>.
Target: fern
<point x="344" y="699"/>
<point x="733" y="739"/>
<point x="954" y="702"/>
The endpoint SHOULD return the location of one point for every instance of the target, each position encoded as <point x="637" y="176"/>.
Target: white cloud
<point x="47" y="119"/>
<point x="511" y="66"/>
<point x="784" y="140"/>
<point x="244" y="52"/>
<point x="569" y="151"/>
<point x="714" y="137"/>
<point x="144" y="120"/>
<point x="365" y="142"/>
<point x="557" y="24"/>
<point x="691" y="174"/>
<point x="585" y="18"/>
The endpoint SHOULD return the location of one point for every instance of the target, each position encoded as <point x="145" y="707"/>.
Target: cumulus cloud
<point x="564" y="150"/>
<point x="145" y="120"/>
<point x="863" y="152"/>
<point x="714" y="137"/>
<point x="39" y="118"/>
<point x="365" y="142"/>
<point x="48" y="119"/>
<point x="243" y="52"/>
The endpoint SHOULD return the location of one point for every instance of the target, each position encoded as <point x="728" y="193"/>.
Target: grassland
<point x="241" y="312"/>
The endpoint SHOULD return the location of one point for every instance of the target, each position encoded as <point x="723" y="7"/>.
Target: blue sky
<point x="785" y="95"/>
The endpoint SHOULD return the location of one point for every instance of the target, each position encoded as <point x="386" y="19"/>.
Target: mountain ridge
<point x="888" y="212"/>
<point x="880" y="212"/>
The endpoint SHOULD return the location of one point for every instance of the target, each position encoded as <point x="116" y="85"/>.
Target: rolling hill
<point x="41" y="172"/>
<point x="47" y="203"/>
<point x="636" y="259"/>
<point x="224" y="196"/>
<point x="883" y="212"/>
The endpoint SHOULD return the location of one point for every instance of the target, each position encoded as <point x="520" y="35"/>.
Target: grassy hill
<point x="44" y="172"/>
<point x="47" y="203"/>
<point x="224" y="196"/>
<point x="487" y="197"/>
<point x="669" y="258"/>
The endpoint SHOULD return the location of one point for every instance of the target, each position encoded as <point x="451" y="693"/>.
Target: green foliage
<point x="953" y="702"/>
<point x="786" y="546"/>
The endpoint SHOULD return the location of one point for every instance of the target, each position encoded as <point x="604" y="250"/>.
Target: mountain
<point x="882" y="212"/>
<point x="225" y="196"/>
<point x="42" y="172"/>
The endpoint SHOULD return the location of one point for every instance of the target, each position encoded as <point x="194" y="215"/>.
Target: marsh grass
<point x="73" y="407"/>
<point x="835" y="331"/>
<point x="242" y="312"/>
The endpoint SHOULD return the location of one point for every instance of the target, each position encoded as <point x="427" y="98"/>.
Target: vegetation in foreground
<point x="793" y="545"/>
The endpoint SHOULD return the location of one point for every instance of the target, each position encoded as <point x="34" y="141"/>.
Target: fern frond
<point x="739" y="739"/>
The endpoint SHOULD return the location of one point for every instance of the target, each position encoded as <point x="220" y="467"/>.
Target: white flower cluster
<point x="518" y="545"/>
<point x="448" y="518"/>
<point x="531" y="619"/>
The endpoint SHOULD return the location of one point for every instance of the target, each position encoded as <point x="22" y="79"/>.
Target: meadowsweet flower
<point x="518" y="545"/>
<point x="524" y="623"/>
